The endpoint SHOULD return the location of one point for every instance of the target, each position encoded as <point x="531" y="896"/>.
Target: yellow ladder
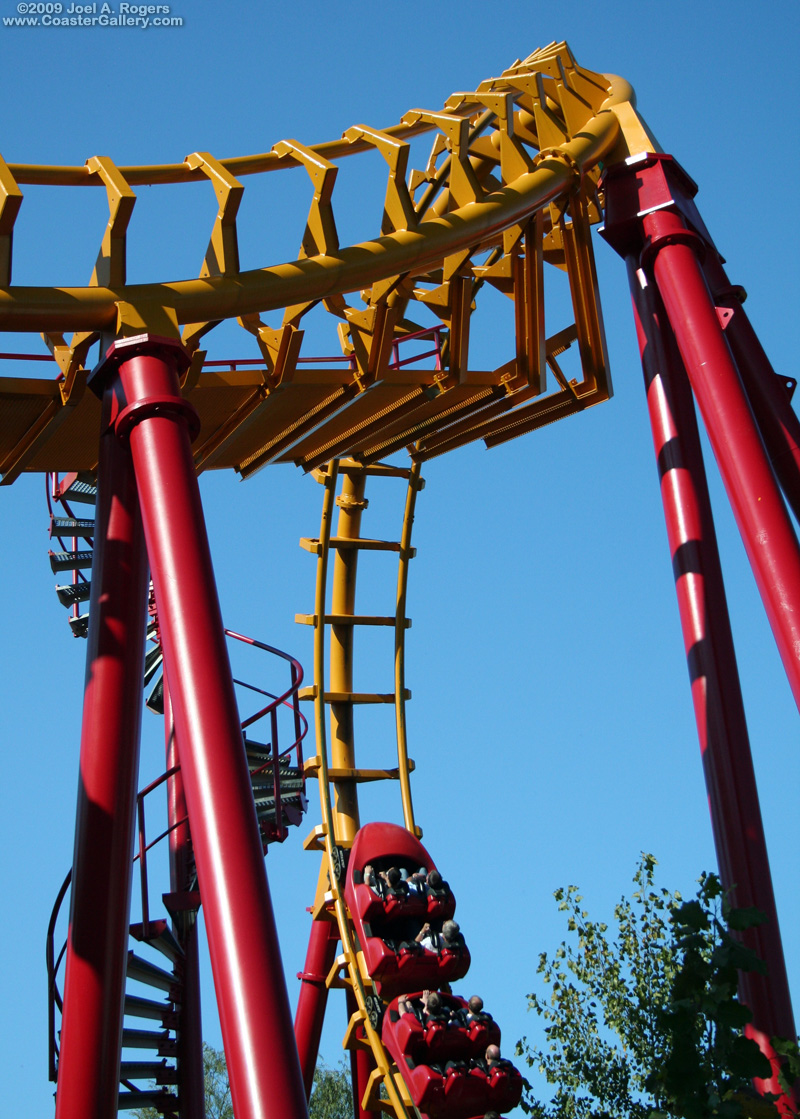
<point x="339" y="776"/>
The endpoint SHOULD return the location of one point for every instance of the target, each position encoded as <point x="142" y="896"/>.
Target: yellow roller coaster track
<point x="511" y="185"/>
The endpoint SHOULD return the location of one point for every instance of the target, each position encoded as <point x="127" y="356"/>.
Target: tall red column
<point x="714" y="675"/>
<point x="764" y="524"/>
<point x="767" y="393"/>
<point x="313" y="999"/>
<point x="362" y="1064"/>
<point x="91" y="1028"/>
<point x="266" y="1082"/>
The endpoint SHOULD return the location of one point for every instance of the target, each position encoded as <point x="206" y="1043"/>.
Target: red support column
<point x="362" y="1064"/>
<point x="650" y="209"/>
<point x="764" y="524"/>
<point x="313" y="998"/>
<point x="769" y="395"/>
<point x="91" y="1029"/>
<point x="719" y="710"/>
<point x="266" y="1082"/>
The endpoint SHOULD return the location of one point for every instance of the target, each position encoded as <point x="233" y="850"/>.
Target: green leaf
<point x="749" y="918"/>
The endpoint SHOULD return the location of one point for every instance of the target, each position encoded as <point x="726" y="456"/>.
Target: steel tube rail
<point x="716" y="693"/>
<point x="764" y="524"/>
<point x="351" y="269"/>
<point x="415" y="484"/>
<point x="243" y="944"/>
<point x="351" y="504"/>
<point x="91" y="1025"/>
<point x="161" y="174"/>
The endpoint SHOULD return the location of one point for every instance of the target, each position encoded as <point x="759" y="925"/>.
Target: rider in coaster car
<point x="393" y="884"/>
<point x="476" y="1013"/>
<point x="436" y="886"/>
<point x="449" y="939"/>
<point x="371" y="879"/>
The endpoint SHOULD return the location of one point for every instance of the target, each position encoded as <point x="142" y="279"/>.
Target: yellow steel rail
<point x="340" y="777"/>
<point x="511" y="185"/>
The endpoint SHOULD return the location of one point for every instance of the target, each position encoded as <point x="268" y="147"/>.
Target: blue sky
<point x="551" y="719"/>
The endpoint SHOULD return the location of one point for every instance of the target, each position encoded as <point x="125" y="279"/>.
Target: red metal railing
<point x="232" y="364"/>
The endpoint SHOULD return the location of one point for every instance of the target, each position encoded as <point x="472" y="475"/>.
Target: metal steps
<point x="161" y="937"/>
<point x="70" y="561"/>
<point x="159" y="1040"/>
<point x="159" y="1098"/>
<point x="72" y="526"/>
<point x="158" y="1071"/>
<point x="77" y="487"/>
<point x="144" y="972"/>
<point x="161" y="1012"/>
<point x="72" y="593"/>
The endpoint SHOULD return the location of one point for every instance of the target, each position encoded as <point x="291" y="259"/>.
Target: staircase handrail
<point x="289" y="698"/>
<point x="53" y="993"/>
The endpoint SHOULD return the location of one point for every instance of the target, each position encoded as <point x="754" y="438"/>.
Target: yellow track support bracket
<point x="398" y="209"/>
<point x="10" y="202"/>
<point x="109" y="271"/>
<point x="463" y="185"/>
<point x="222" y="254"/>
<point x="320" y="237"/>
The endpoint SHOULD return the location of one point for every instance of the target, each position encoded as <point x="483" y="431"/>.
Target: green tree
<point x="216" y="1087"/>
<point x="332" y="1094"/>
<point x="648" y="1021"/>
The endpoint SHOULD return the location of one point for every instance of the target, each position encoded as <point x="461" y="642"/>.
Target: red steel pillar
<point x="727" y="762"/>
<point x="313" y="999"/>
<point x="91" y="1029"/>
<point x="362" y="1064"/>
<point x="672" y="246"/>
<point x="266" y="1082"/>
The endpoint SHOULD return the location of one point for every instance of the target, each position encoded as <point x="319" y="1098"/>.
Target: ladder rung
<point x="357" y="542"/>
<point x="350" y="620"/>
<point x="70" y="593"/>
<point x="311" y="767"/>
<point x="351" y="697"/>
<point x="376" y="469"/>
<point x="70" y="561"/>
